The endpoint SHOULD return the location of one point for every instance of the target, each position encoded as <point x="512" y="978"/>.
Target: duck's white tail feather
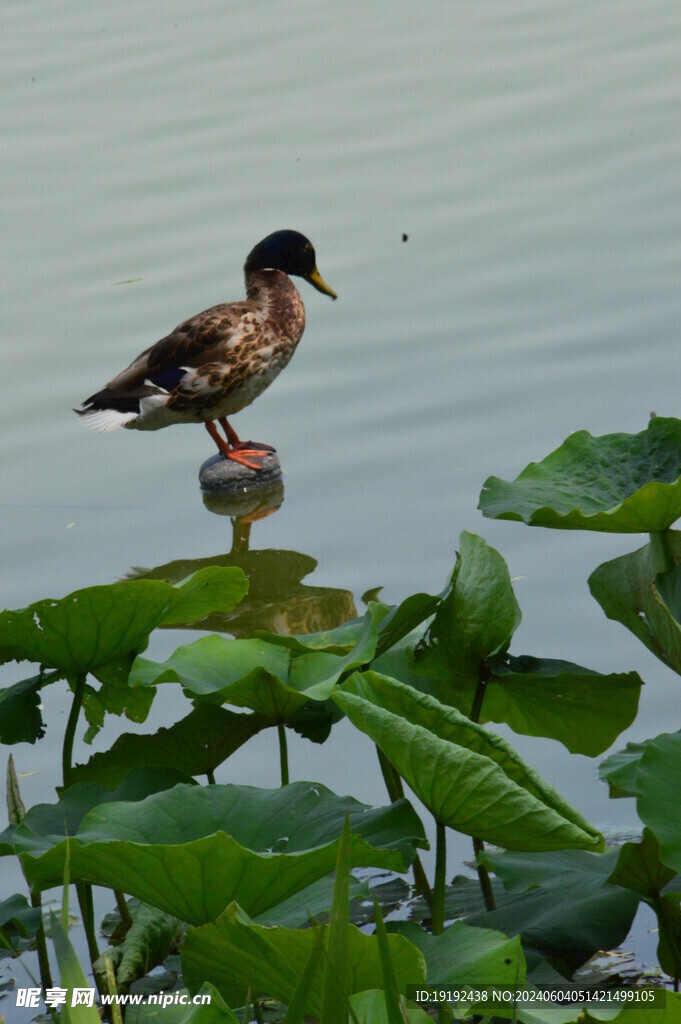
<point x="106" y="419"/>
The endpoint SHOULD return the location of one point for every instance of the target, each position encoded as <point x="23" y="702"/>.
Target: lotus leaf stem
<point x="87" y="910"/>
<point x="483" y="876"/>
<point x="67" y="749"/>
<point x="440" y="875"/>
<point x="393" y="783"/>
<point x="478" y="845"/>
<point x="123" y="909"/>
<point x="283" y="753"/>
<point x="41" y="944"/>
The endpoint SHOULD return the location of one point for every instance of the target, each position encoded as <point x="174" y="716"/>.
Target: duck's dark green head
<point x="291" y="252"/>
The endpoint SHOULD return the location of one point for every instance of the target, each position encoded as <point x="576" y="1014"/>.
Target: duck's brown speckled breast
<point x="268" y="333"/>
<point x="263" y="352"/>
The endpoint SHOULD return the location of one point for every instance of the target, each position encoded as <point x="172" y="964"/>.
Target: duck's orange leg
<point x="250" y="447"/>
<point x="235" y="456"/>
<point x="230" y="432"/>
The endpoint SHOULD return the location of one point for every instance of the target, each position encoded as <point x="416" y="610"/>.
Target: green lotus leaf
<point x="468" y="778"/>
<point x="234" y="954"/>
<point x="475" y="620"/>
<point x="562" y="903"/>
<point x="314" y="720"/>
<point x="115" y="699"/>
<point x="149" y="940"/>
<point x="20" y="717"/>
<point x="215" y="589"/>
<point x="244" y="673"/>
<point x="313" y="902"/>
<point x="463" y="955"/>
<point x="463" y="898"/>
<point x="340" y="640"/>
<point x="639" y="590"/>
<point x="639" y="867"/>
<point x="618" y="483"/>
<point x="44" y="825"/>
<point x="663" y="609"/>
<point x="212" y="664"/>
<point x="582" y="709"/>
<point x="565" y="924"/>
<point x="369" y="1007"/>
<point x="196" y="745"/>
<point x="668" y="912"/>
<point x="191" y="850"/>
<point x="318" y="657"/>
<point x="266" y="677"/>
<point x="658" y="783"/>
<point x="390" y="624"/>
<point x="18" y="924"/>
<point x="97" y="626"/>
<point x="324" y="669"/>
<point x="404" y="619"/>
<point x="619" y="770"/>
<point x="400" y="663"/>
<point x="214" y="1011"/>
<point x="623" y="586"/>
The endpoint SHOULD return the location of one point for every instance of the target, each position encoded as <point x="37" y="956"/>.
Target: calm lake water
<point x="530" y="152"/>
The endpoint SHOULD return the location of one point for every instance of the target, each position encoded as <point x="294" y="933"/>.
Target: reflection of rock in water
<point x="247" y="505"/>
<point x="277" y="599"/>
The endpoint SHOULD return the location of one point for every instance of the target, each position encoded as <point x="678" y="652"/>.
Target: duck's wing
<point x="208" y="337"/>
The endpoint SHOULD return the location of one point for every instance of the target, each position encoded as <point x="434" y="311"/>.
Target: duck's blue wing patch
<point x="167" y="379"/>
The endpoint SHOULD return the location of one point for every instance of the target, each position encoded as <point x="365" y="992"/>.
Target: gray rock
<point x="220" y="474"/>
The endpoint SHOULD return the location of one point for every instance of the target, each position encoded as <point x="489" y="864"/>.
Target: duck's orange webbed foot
<point x="236" y="450"/>
<point x="257" y="446"/>
<point x="242" y="456"/>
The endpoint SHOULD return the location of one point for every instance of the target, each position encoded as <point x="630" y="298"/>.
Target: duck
<point x="219" y="361"/>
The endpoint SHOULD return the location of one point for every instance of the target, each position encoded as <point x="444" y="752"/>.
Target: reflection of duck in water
<point x="277" y="599"/>
<point x="219" y="361"/>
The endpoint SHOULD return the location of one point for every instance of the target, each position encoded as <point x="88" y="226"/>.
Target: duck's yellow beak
<point x="318" y="282"/>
